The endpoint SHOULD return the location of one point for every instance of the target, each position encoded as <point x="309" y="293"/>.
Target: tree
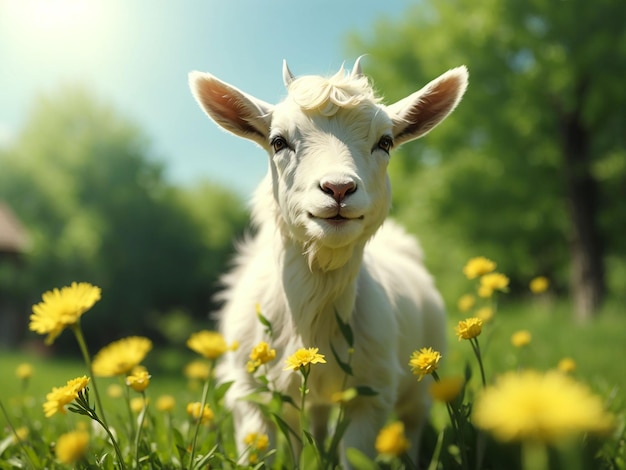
<point x="98" y="208"/>
<point x="530" y="160"/>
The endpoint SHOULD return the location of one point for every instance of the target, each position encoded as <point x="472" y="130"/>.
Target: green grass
<point x="597" y="348"/>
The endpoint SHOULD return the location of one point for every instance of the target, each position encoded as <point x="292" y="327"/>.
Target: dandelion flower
<point x="71" y="447"/>
<point x="469" y="328"/>
<point x="484" y="292"/>
<point x="391" y="440"/>
<point x="165" y="403"/>
<point x="521" y="338"/>
<point x="61" y="396"/>
<point x="138" y="380"/>
<point x="494" y="282"/>
<point x="485" y="314"/>
<point x="539" y="284"/>
<point x="24" y="371"/>
<point x="261" y="354"/>
<point x="303" y="357"/>
<point x="209" y="344"/>
<point x="446" y="389"/>
<point x="567" y="365"/>
<point x="478" y="266"/>
<point x="540" y="407"/>
<point x="466" y="302"/>
<point x="257" y="441"/>
<point x="197" y="370"/>
<point x="115" y="391"/>
<point x="121" y="357"/>
<point x="21" y="434"/>
<point x="137" y="404"/>
<point x="193" y="410"/>
<point x="424" y="362"/>
<point x="62" y="308"/>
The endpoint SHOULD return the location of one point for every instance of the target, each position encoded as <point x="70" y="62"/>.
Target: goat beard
<point x="323" y="258"/>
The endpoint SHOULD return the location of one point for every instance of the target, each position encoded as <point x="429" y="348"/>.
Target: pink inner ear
<point x="434" y="104"/>
<point x="225" y="106"/>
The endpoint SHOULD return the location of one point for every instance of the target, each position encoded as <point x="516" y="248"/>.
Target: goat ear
<point x="415" y="115"/>
<point x="234" y="110"/>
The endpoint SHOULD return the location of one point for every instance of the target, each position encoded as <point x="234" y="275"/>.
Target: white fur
<point x="301" y="267"/>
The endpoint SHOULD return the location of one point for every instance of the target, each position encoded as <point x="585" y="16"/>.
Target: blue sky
<point x="136" y="55"/>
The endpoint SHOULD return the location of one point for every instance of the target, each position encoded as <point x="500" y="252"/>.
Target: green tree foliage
<point x="98" y="209"/>
<point x="495" y="179"/>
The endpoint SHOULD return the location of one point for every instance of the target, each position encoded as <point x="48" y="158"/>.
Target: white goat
<point x="321" y="248"/>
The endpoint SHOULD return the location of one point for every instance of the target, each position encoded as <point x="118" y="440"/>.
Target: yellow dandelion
<point x="567" y="365"/>
<point x="115" y="391"/>
<point x="521" y="338"/>
<point x="345" y="396"/>
<point x="303" y="357"/>
<point x="197" y="370"/>
<point x="138" y="380"/>
<point x="165" y="403"/>
<point x="391" y="440"/>
<point x="469" y="328"/>
<point x="446" y="389"/>
<point x="494" y="282"/>
<point x="466" y="302"/>
<point x="121" y="357"/>
<point x="540" y="407"/>
<point x="257" y="441"/>
<point x="209" y="344"/>
<point x="539" y="284"/>
<point x="137" y="404"/>
<point x="61" y="396"/>
<point x="424" y="362"/>
<point x="71" y="447"/>
<point x="21" y="434"/>
<point x="478" y="266"/>
<point x="485" y="314"/>
<point x="62" y="308"/>
<point x="484" y="292"/>
<point x="24" y="371"/>
<point x="194" y="410"/>
<point x="261" y="354"/>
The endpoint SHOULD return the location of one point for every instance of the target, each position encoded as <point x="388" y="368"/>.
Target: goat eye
<point x="385" y="143"/>
<point x="278" y="143"/>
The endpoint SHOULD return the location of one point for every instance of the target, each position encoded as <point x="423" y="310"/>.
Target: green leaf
<point x="310" y="456"/>
<point x="221" y="390"/>
<point x="365" y="391"/>
<point x="345" y="329"/>
<point x="359" y="460"/>
<point x="285" y="428"/>
<point x="344" y="365"/>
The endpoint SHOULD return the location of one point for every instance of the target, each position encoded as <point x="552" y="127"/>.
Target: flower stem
<point x="15" y="435"/>
<point x="534" y="456"/>
<point x="78" y="333"/>
<point x="476" y="348"/>
<point x="142" y="418"/>
<point x="205" y="392"/>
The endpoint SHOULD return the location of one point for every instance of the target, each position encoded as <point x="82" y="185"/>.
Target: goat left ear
<point x="231" y="108"/>
<point x="417" y="114"/>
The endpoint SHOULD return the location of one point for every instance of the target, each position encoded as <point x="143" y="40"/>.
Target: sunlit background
<point x="136" y="55"/>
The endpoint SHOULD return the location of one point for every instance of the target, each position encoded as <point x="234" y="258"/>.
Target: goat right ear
<point x="232" y="109"/>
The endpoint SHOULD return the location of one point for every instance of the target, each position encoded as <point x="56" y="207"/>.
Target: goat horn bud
<point x="288" y="77"/>
<point x="356" y="70"/>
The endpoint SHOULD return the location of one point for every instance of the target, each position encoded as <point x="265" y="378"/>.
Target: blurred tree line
<point x="530" y="170"/>
<point x="80" y="177"/>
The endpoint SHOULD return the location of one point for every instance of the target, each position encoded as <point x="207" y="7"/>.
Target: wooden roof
<point x="13" y="237"/>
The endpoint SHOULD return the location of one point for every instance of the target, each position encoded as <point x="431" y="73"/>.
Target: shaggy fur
<point x="321" y="247"/>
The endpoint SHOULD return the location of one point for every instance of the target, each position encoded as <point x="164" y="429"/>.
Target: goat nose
<point x="338" y="190"/>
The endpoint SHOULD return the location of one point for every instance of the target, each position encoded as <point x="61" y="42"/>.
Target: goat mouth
<point x="336" y="218"/>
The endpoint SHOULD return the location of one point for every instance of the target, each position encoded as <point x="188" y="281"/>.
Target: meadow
<point x="173" y="435"/>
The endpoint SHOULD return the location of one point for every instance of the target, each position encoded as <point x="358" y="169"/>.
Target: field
<point x="597" y="349"/>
